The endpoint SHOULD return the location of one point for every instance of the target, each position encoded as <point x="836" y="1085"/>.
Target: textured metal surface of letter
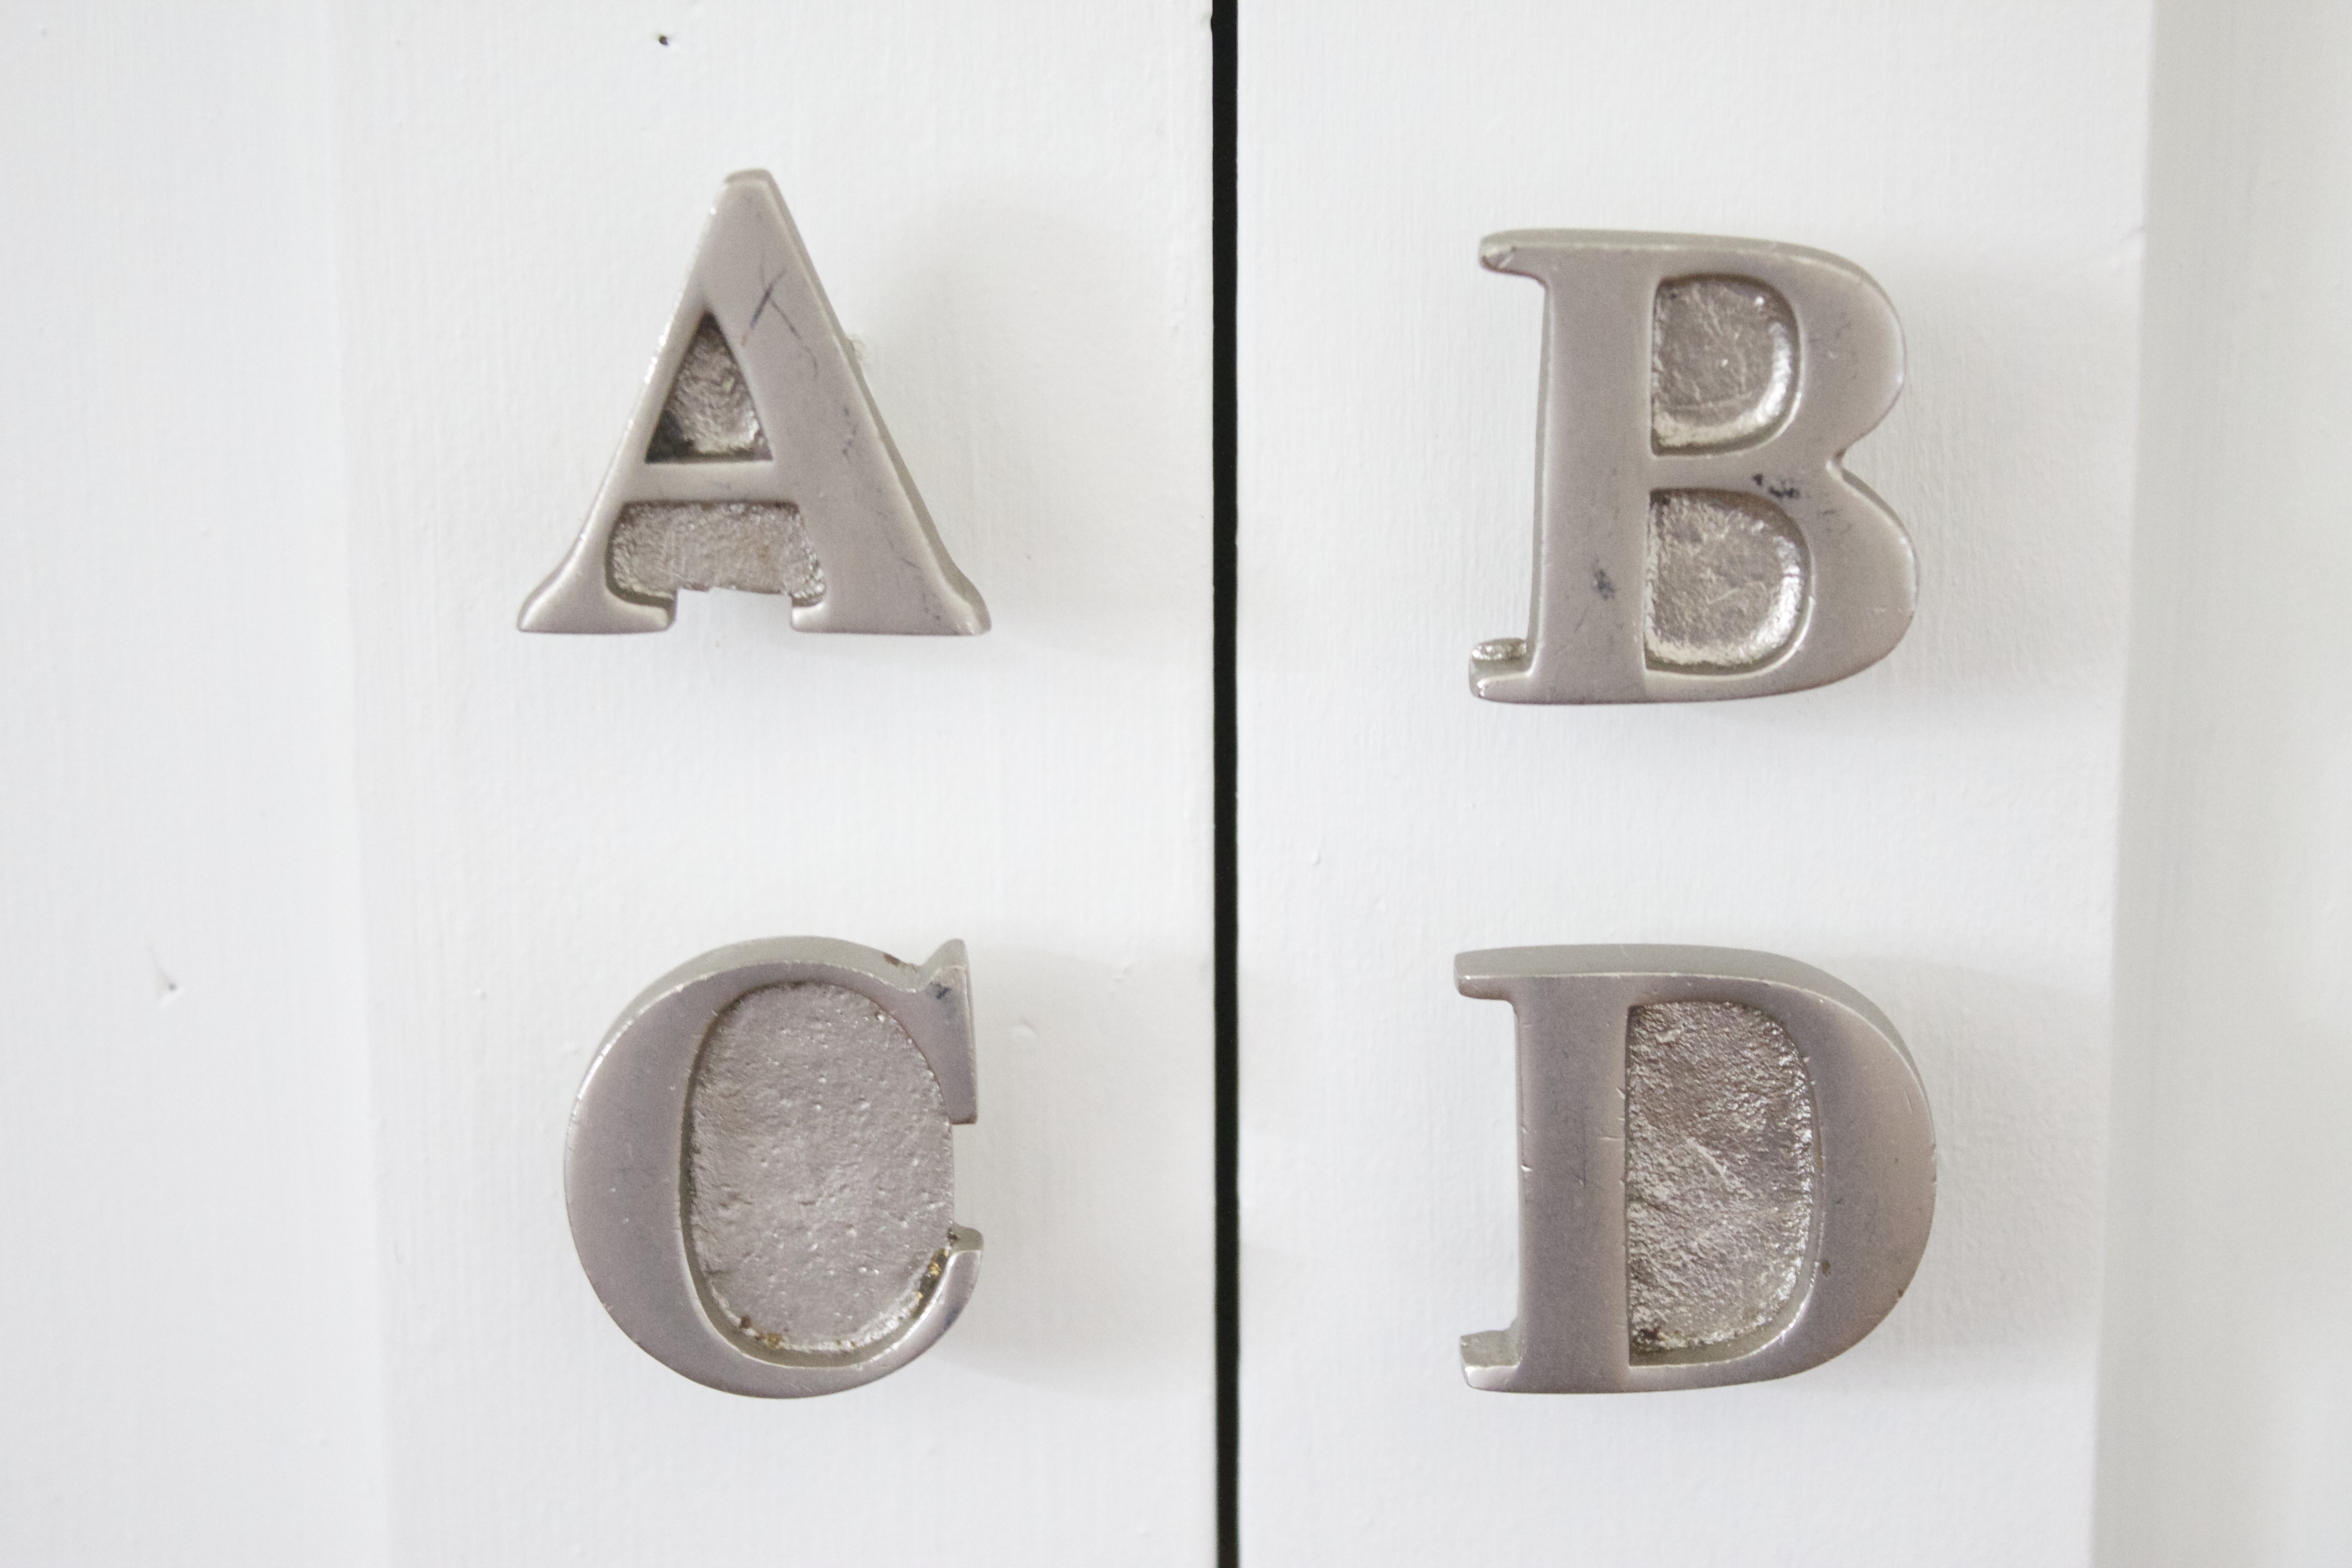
<point x="759" y="1173"/>
<point x="757" y="461"/>
<point x="1696" y="533"/>
<point x="1726" y="1169"/>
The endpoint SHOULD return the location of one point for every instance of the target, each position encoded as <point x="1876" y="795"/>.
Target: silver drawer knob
<point x="759" y="1171"/>
<point x="1697" y="536"/>
<point x="757" y="460"/>
<point x="1727" y="1168"/>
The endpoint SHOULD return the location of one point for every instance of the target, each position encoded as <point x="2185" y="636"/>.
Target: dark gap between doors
<point x="1225" y="528"/>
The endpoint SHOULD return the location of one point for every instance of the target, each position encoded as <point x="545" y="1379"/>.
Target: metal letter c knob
<point x="759" y="1171"/>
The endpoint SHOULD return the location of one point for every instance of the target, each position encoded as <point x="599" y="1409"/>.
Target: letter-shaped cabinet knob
<point x="1696" y="533"/>
<point x="757" y="461"/>
<point x="759" y="1171"/>
<point x="1726" y="1170"/>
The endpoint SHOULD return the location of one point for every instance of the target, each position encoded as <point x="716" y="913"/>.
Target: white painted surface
<point x="188" y="1244"/>
<point x="1939" y="831"/>
<point x="322" y="325"/>
<point x="2226" y="1421"/>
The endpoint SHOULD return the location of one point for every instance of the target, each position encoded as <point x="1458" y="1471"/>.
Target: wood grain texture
<point x="1939" y="831"/>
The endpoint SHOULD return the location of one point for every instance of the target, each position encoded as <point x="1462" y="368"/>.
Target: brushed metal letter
<point x="809" y="454"/>
<point x="1872" y="1199"/>
<point x="1630" y="318"/>
<point x="627" y="1162"/>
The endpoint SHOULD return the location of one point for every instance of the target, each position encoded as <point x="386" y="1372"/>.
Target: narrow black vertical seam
<point x="1225" y="557"/>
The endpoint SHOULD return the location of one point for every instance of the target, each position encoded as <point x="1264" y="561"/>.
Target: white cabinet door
<point x="325" y="323"/>
<point x="189" y="1227"/>
<point x="1939" y="831"/>
<point x="2225" y="1421"/>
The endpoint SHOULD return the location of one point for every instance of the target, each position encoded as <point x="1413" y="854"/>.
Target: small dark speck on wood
<point x="1602" y="586"/>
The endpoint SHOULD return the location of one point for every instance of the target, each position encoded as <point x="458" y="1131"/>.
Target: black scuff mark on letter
<point x="768" y="297"/>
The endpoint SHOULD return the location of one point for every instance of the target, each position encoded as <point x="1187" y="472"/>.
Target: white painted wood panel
<point x="1938" y="832"/>
<point x="1009" y="209"/>
<point x="2226" y="1421"/>
<point x="188" y="1239"/>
